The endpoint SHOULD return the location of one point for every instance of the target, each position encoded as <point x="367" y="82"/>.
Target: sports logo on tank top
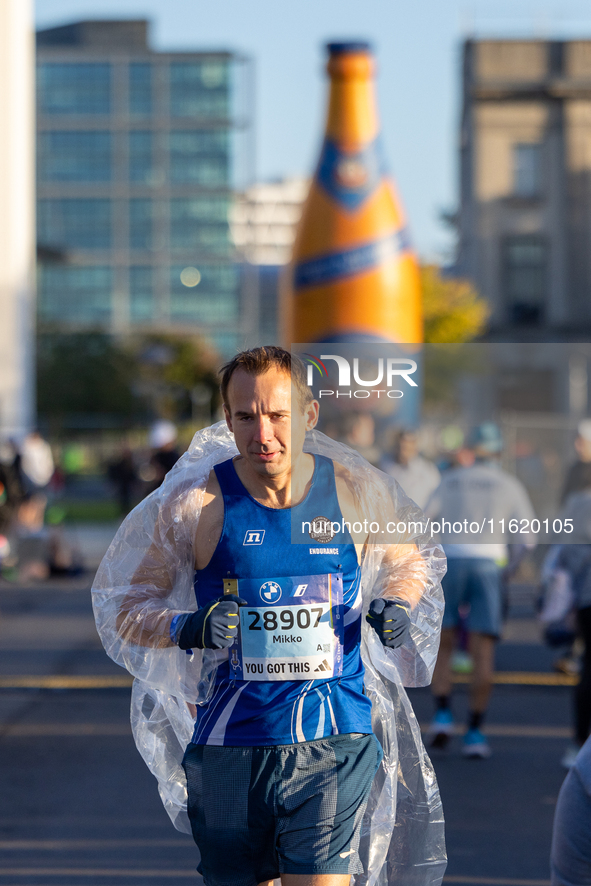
<point x="270" y="592"/>
<point x="254" y="537"/>
<point x="321" y="529"/>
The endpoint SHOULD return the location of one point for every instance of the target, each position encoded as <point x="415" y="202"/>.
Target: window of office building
<point x="227" y="343"/>
<point x="527" y="170"/>
<point x="74" y="88"/>
<point x="74" y="156"/>
<point x="141" y="293"/>
<point x="213" y="301"/>
<point x="525" y="278"/>
<point x="200" y="156"/>
<point x="141" y="215"/>
<point x="199" y="89"/>
<point x="140" y="156"/>
<point x="200" y="224"/>
<point x="75" y="295"/>
<point x="140" y="89"/>
<point x="74" y="223"/>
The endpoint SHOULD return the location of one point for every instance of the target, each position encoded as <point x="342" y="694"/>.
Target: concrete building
<point x="139" y="155"/>
<point x="263" y="223"/>
<point x="17" y="217"/>
<point x="525" y="214"/>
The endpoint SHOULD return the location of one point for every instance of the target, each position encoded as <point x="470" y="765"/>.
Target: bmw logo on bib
<point x="270" y="592"/>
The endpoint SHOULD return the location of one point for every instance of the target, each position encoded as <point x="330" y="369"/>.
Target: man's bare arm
<point x="211" y="522"/>
<point x="144" y="614"/>
<point x="404" y="573"/>
<point x="142" y="620"/>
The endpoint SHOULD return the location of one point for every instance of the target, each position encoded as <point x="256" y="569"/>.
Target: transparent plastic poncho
<point x="146" y="578"/>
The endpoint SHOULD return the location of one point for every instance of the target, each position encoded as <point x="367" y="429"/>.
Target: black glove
<point x="390" y="620"/>
<point x="213" y="627"/>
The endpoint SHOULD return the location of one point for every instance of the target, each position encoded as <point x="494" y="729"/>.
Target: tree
<point x="454" y="314"/>
<point x="81" y="374"/>
<point x="453" y="310"/>
<point x="177" y="375"/>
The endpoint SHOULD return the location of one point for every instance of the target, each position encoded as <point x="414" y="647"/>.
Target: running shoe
<point x="568" y="664"/>
<point x="475" y="745"/>
<point x="441" y="729"/>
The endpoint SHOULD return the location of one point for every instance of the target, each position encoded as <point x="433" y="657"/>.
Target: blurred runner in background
<point x="163" y="441"/>
<point x="11" y="491"/>
<point x="575" y="559"/>
<point x="417" y="475"/>
<point x="359" y="432"/>
<point x="123" y="475"/>
<point x="32" y="545"/>
<point x="579" y="474"/>
<point x="570" y="857"/>
<point x="578" y="479"/>
<point x="11" y="494"/>
<point x="36" y="463"/>
<point x="485" y="494"/>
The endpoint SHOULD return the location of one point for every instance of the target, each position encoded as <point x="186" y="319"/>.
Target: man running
<point x="485" y="496"/>
<point x="283" y="753"/>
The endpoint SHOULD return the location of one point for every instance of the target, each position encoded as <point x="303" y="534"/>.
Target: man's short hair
<point x="257" y="361"/>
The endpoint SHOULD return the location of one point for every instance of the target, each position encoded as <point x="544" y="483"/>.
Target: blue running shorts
<point x="475" y="581"/>
<point x="260" y="812"/>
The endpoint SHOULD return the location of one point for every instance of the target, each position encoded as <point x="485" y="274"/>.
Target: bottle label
<point x="351" y="177"/>
<point x="349" y="262"/>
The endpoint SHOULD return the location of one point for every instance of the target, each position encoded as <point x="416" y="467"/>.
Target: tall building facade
<point x="139" y="154"/>
<point x="525" y="214"/>
<point x="17" y="217"/>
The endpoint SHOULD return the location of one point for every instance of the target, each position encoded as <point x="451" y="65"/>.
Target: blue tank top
<point x="256" y="543"/>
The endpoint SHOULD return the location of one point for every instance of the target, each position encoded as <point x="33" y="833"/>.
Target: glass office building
<point x="139" y="154"/>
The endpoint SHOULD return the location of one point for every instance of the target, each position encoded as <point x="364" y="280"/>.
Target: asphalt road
<point x="79" y="808"/>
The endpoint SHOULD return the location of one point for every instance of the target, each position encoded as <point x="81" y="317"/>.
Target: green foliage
<point x="453" y="310"/>
<point x="84" y="373"/>
<point x="454" y="315"/>
<point x="178" y="375"/>
<point x="83" y="511"/>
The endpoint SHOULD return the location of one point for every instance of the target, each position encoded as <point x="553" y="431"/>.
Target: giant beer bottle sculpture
<point x="353" y="276"/>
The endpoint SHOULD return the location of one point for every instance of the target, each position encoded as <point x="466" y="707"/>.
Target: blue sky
<point x="418" y="46"/>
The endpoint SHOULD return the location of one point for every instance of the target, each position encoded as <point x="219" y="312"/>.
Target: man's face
<point x="269" y="426"/>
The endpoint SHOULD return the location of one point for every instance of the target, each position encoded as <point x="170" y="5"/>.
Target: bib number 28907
<point x="295" y="635"/>
<point x="293" y="617"/>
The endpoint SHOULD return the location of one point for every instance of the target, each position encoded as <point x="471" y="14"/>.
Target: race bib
<point x="291" y="629"/>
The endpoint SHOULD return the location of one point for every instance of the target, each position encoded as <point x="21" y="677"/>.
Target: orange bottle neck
<point x="352" y="108"/>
